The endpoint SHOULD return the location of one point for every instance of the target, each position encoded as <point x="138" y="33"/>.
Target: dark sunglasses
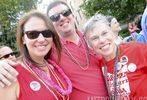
<point x="7" y="55"/>
<point x="35" y="34"/>
<point x="64" y="13"/>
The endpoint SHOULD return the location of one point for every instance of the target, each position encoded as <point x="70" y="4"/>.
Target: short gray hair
<point x="93" y="21"/>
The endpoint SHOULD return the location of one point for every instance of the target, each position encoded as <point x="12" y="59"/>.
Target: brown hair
<point x="137" y="21"/>
<point x="54" y="4"/>
<point x="20" y="33"/>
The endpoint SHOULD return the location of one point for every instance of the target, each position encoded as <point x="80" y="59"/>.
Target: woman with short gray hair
<point x="123" y="64"/>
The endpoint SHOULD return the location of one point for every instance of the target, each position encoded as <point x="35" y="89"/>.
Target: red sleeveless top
<point x="31" y="88"/>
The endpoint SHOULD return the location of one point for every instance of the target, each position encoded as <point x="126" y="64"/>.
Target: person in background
<point x="7" y="53"/>
<point x="124" y="65"/>
<point x="40" y="78"/>
<point x="143" y="34"/>
<point x="137" y="22"/>
<point x="134" y="29"/>
<point x="79" y="62"/>
<point x="115" y="27"/>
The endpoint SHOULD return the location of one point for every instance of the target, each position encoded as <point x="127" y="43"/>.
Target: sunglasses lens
<point x="7" y="55"/>
<point x="35" y="34"/>
<point x="55" y="17"/>
<point x="47" y="33"/>
<point x="66" y="13"/>
<point x="32" y="34"/>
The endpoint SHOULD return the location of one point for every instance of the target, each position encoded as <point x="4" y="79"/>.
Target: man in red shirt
<point x="79" y="63"/>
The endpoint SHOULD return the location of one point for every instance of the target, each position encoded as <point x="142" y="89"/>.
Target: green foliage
<point x="10" y="10"/>
<point x="123" y="10"/>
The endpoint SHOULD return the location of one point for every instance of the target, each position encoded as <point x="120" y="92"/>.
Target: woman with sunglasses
<point x="7" y="53"/>
<point x="40" y="78"/>
<point x="77" y="60"/>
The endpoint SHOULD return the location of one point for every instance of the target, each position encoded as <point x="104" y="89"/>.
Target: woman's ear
<point x="23" y="40"/>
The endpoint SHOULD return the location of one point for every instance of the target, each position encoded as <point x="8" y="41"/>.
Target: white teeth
<point x="105" y="47"/>
<point x="64" y="24"/>
<point x="40" y="46"/>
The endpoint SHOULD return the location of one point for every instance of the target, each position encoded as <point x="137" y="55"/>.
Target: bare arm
<point x="10" y="92"/>
<point x="7" y="73"/>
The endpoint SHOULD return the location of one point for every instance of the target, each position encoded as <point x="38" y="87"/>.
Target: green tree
<point x="123" y="10"/>
<point x="10" y="10"/>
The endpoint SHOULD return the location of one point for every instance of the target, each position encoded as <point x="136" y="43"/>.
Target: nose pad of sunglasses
<point x="40" y="36"/>
<point x="62" y="16"/>
<point x="11" y="55"/>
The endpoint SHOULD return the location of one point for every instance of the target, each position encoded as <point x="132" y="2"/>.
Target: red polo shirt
<point x="87" y="83"/>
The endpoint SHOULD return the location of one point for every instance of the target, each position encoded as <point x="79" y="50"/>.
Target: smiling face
<point x="65" y="24"/>
<point x="101" y="39"/>
<point x="41" y="45"/>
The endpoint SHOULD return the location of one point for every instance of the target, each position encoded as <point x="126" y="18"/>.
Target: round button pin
<point x="132" y="67"/>
<point x="35" y="86"/>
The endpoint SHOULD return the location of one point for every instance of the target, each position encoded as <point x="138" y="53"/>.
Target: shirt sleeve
<point x="143" y="52"/>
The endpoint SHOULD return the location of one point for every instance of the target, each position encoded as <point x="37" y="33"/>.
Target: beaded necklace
<point x="47" y="80"/>
<point x="86" y="52"/>
<point x="112" y="97"/>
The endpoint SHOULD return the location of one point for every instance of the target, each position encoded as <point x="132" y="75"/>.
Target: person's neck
<point x="74" y="37"/>
<point x="39" y="60"/>
<point x="112" y="56"/>
<point x="116" y="34"/>
<point x="117" y="37"/>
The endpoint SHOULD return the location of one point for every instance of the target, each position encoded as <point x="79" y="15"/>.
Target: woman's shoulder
<point x="133" y="45"/>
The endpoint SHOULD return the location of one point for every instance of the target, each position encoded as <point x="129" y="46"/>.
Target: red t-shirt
<point x="31" y="88"/>
<point x="132" y="71"/>
<point x="88" y="83"/>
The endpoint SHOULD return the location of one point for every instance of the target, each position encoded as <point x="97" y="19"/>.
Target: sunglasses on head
<point x="7" y="55"/>
<point x="35" y="34"/>
<point x="64" y="13"/>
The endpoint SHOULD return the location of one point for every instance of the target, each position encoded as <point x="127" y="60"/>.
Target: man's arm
<point x="10" y="92"/>
<point x="7" y="73"/>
